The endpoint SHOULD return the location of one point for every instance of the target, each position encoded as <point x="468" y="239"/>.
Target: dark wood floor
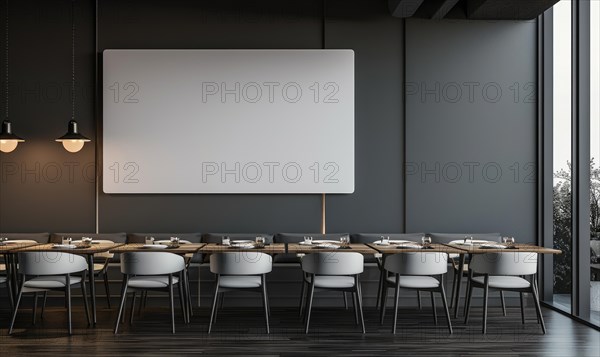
<point x="241" y="332"/>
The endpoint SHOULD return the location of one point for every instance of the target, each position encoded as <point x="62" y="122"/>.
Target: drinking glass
<point x="149" y="240"/>
<point x="385" y="240"/>
<point x="66" y="240"/>
<point x="426" y="241"/>
<point x="260" y="242"/>
<point x="345" y="241"/>
<point x="225" y="241"/>
<point x="509" y="241"/>
<point x="308" y="239"/>
<point x="174" y="241"/>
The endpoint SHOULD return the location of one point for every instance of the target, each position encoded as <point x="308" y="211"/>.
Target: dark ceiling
<point x="470" y="9"/>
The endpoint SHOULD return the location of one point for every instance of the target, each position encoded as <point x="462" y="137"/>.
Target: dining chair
<point x="374" y="237"/>
<point x="47" y="271"/>
<point x="505" y="272"/>
<point x="329" y="271"/>
<point x="152" y="271"/>
<point x="454" y="259"/>
<point x="290" y="258"/>
<point x="422" y="271"/>
<point x="240" y="271"/>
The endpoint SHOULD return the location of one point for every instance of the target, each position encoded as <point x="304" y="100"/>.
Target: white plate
<point x="305" y="243"/>
<point x="243" y="245"/>
<point x="492" y="246"/>
<point x="64" y="246"/>
<point x="242" y="241"/>
<point x="410" y="246"/>
<point x="19" y="241"/>
<point x="326" y="246"/>
<point x="471" y="242"/>
<point x="325" y="241"/>
<point x="155" y="246"/>
<point x="379" y="242"/>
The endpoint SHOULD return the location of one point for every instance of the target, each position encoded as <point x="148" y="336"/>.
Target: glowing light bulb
<point x="73" y="145"/>
<point x="8" y="145"/>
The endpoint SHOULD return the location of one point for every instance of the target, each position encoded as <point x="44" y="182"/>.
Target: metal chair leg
<point x="122" y="305"/>
<point x="182" y="302"/>
<point x="44" y="305"/>
<point x="106" y="288"/>
<point x="310" y="302"/>
<point x="384" y="292"/>
<point x="503" y="303"/>
<point x="485" y="303"/>
<point x="14" y="316"/>
<point x="435" y="320"/>
<point x="302" y="297"/>
<point x="214" y="306"/>
<point x="172" y="304"/>
<point x="360" y="303"/>
<point x="68" y="287"/>
<point x="453" y="291"/>
<point x="396" y="303"/>
<point x="132" y="308"/>
<point x="468" y="301"/>
<point x="538" y="309"/>
<point x="265" y="302"/>
<point x="522" y="308"/>
<point x="443" y="292"/>
<point x="379" y="289"/>
<point x="419" y="299"/>
<point x="345" y="300"/>
<point x="354" y="305"/>
<point x="35" y="301"/>
<point x="85" y="301"/>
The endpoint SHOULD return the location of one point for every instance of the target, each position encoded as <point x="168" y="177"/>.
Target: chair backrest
<point x="37" y="237"/>
<point x="217" y="237"/>
<point x="372" y="237"/>
<point x="506" y="263"/>
<point x="141" y="237"/>
<point x="345" y="263"/>
<point x="151" y="263"/>
<point x="449" y="237"/>
<point x="51" y="263"/>
<point x="299" y="237"/>
<point x="112" y="237"/>
<point x="241" y="263"/>
<point x="419" y="263"/>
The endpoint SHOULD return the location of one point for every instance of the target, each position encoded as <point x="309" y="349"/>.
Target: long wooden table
<point x="139" y="247"/>
<point x="87" y="251"/>
<point x="214" y="248"/>
<point x="477" y="249"/>
<point x="311" y="248"/>
<point x="397" y="248"/>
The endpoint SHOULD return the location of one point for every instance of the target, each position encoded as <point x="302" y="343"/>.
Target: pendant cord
<point x="73" y="59"/>
<point x="6" y="60"/>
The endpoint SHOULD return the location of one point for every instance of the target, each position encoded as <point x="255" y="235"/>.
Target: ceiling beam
<point x="403" y="8"/>
<point x="507" y="9"/>
<point x="444" y="9"/>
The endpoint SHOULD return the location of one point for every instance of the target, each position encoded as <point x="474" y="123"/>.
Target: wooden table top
<point x="139" y="247"/>
<point x="308" y="249"/>
<point x="7" y="248"/>
<point x="435" y="248"/>
<point x="518" y="247"/>
<point x="213" y="248"/>
<point x="49" y="247"/>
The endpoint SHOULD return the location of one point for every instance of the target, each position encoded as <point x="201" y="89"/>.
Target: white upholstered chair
<point x="152" y="271"/>
<point x="334" y="271"/>
<point x="240" y="271"/>
<point x="48" y="271"/>
<point x="505" y="272"/>
<point x="422" y="271"/>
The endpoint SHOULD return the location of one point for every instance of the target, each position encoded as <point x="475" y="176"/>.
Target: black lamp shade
<point x="72" y="133"/>
<point x="6" y="132"/>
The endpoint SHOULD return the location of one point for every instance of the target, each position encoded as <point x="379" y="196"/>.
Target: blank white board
<point x="228" y="121"/>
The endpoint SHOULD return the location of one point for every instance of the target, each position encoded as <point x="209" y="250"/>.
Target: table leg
<point x="456" y="297"/>
<point x="92" y="286"/>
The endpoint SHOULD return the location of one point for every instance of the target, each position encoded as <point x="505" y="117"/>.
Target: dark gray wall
<point x="435" y="51"/>
<point x="42" y="186"/>
<point x="470" y="156"/>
